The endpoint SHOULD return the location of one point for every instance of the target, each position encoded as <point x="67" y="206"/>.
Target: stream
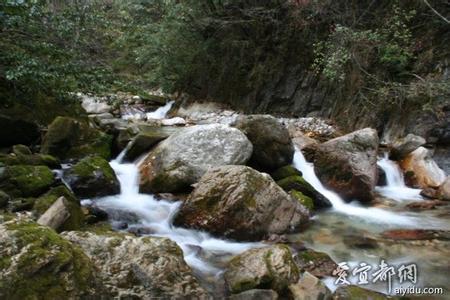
<point x="331" y="230"/>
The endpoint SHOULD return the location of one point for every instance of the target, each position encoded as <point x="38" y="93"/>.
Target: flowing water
<point x="161" y="112"/>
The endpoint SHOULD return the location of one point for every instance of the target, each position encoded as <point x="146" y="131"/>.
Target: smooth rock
<point x="142" y="143"/>
<point x="272" y="145"/>
<point x="402" y="147"/>
<point x="426" y="172"/>
<point x="176" y="121"/>
<point x="184" y="157"/>
<point x="348" y="164"/>
<point x="270" y="268"/>
<point x="239" y="202"/>
<point x="139" y="268"/>
<point x="309" y="287"/>
<point x="444" y="190"/>
<point x="92" y="177"/>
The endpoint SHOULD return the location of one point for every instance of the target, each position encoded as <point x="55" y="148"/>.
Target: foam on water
<point x="156" y="217"/>
<point x="395" y="187"/>
<point x="161" y="112"/>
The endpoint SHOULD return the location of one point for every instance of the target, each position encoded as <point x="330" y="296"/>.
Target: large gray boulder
<point x="139" y="268"/>
<point x="270" y="268"/>
<point x="37" y="263"/>
<point x="240" y="203"/>
<point x="272" y="145"/>
<point x="184" y="157"/>
<point x="402" y="147"/>
<point x="348" y="164"/>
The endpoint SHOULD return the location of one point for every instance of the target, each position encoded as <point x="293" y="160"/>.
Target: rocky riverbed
<point x="150" y="198"/>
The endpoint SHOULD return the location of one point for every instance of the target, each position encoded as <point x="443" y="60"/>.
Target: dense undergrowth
<point x="378" y="53"/>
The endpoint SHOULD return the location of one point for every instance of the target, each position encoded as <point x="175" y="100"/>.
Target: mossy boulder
<point x="286" y="171"/>
<point x="76" y="217"/>
<point x="267" y="268"/>
<point x="4" y="199"/>
<point x="69" y="138"/>
<point x="21" y="149"/>
<point x="142" y="143"/>
<point x="356" y="292"/>
<point x="241" y="203"/>
<point x="317" y="263"/>
<point x="21" y="204"/>
<point x="63" y="215"/>
<point x="299" y="184"/>
<point x="30" y="159"/>
<point x="25" y="181"/>
<point x="92" y="177"/>
<point x="37" y="263"/>
<point x="304" y="200"/>
<point x="139" y="267"/>
<point x="272" y="145"/>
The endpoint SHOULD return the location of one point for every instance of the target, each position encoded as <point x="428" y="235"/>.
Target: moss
<point x="87" y="166"/>
<point x="311" y="255"/>
<point x="21" y="149"/>
<point x="50" y="267"/>
<point x="284" y="172"/>
<point x="297" y="183"/>
<point x="26" y="181"/>
<point x="33" y="160"/>
<point x="4" y="199"/>
<point x="304" y="200"/>
<point x="21" y="204"/>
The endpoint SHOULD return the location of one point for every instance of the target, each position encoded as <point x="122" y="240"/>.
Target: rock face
<point x="25" y="181"/>
<point x="69" y="138"/>
<point x="272" y="145"/>
<point x="444" y="189"/>
<point x="421" y="165"/>
<point x="402" y="147"/>
<point x="184" y="157"/>
<point x="299" y="184"/>
<point x="15" y="131"/>
<point x="269" y="268"/>
<point x="240" y="203"/>
<point x="139" y="268"/>
<point x="92" y="177"/>
<point x="62" y="215"/>
<point x="348" y="164"/>
<point x="36" y="263"/>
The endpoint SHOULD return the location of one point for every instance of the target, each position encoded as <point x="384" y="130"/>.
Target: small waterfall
<point x="339" y="205"/>
<point x="161" y="112"/>
<point x="154" y="217"/>
<point x="395" y="188"/>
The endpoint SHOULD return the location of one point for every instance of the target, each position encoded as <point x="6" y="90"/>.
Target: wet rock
<point x="348" y="164"/>
<point x="62" y="215"/>
<point x="68" y="138"/>
<point x="381" y="181"/>
<point x="95" y="214"/>
<point x="139" y="268"/>
<point x="256" y="294"/>
<point x="16" y="131"/>
<point x="92" y="177"/>
<point x="304" y="200"/>
<point x="302" y="141"/>
<point x="179" y="161"/>
<point x="356" y="292"/>
<point x="444" y="190"/>
<point x="426" y="172"/>
<point x="268" y="268"/>
<point x="360" y="241"/>
<point x="25" y="181"/>
<point x="272" y="145"/>
<point x="402" y="147"/>
<point x="309" y="287"/>
<point x="142" y="143"/>
<point x="426" y="205"/>
<point x="317" y="263"/>
<point x="416" y="234"/>
<point x="298" y="183"/>
<point x="36" y="263"/>
<point x="430" y="193"/>
<point x="286" y="171"/>
<point x="4" y="199"/>
<point x="240" y="203"/>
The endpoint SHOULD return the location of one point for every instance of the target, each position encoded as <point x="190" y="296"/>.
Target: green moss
<point x="4" y="199"/>
<point x="304" y="200"/>
<point x="21" y="149"/>
<point x="21" y="204"/>
<point x="50" y="267"/>
<point x="284" y="172"/>
<point x="26" y="181"/>
<point x="87" y="166"/>
<point x="311" y="255"/>
<point x="33" y="160"/>
<point x="297" y="183"/>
